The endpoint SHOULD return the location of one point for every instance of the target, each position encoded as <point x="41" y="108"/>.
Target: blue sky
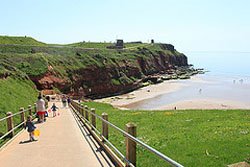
<point x="191" y="25"/>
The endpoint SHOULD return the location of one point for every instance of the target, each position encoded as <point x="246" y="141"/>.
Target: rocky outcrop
<point x="49" y="81"/>
<point x="94" y="81"/>
<point x="167" y="47"/>
<point x="100" y="82"/>
<point x="161" y="62"/>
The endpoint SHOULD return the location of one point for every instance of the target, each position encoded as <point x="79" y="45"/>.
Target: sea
<point x="227" y="78"/>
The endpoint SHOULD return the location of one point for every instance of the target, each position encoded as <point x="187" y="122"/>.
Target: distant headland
<point x="91" y="69"/>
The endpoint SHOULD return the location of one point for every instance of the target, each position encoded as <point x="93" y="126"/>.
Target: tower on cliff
<point x="119" y="44"/>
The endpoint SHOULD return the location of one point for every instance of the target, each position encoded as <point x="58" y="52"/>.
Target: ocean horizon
<point x="229" y="63"/>
<point x="228" y="78"/>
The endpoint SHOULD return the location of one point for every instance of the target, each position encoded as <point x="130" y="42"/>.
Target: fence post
<point x="93" y="119"/>
<point x="130" y="144"/>
<point x="73" y="104"/>
<point x="22" y="115"/>
<point x="30" y="110"/>
<point x="10" y="124"/>
<point x="105" y="130"/>
<point x="78" y="107"/>
<point x="86" y="112"/>
<point x="82" y="110"/>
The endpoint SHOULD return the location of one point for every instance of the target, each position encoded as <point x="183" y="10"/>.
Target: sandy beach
<point x="130" y="100"/>
<point x="142" y="94"/>
<point x="204" y="104"/>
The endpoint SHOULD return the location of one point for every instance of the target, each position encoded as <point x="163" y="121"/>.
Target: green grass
<point x="191" y="137"/>
<point x="103" y="45"/>
<point x="15" y="93"/>
<point x="96" y="45"/>
<point x="19" y="40"/>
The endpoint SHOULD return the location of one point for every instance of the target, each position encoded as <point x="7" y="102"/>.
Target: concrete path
<point x="63" y="142"/>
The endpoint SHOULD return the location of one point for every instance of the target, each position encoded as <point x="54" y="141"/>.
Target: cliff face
<point x="161" y="62"/>
<point x="91" y="72"/>
<point x="49" y="81"/>
<point x="94" y="81"/>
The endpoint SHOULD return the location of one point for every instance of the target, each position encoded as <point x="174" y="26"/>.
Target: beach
<point x="142" y="94"/>
<point x="177" y="94"/>
<point x="206" y="104"/>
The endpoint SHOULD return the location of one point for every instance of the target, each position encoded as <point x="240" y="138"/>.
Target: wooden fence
<point x="13" y="125"/>
<point x="129" y="160"/>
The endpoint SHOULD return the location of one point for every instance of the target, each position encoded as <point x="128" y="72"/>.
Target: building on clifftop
<point x="118" y="45"/>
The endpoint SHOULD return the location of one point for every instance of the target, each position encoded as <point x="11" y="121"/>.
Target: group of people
<point x="241" y="81"/>
<point x="41" y="112"/>
<point x="66" y="100"/>
<point x="41" y="109"/>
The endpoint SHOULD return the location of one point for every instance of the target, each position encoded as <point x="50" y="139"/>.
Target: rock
<point x="168" y="77"/>
<point x="184" y="77"/>
<point x="167" y="47"/>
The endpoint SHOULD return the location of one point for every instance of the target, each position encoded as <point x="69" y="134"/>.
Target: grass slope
<point x="15" y="93"/>
<point x="6" y="40"/>
<point x="191" y="137"/>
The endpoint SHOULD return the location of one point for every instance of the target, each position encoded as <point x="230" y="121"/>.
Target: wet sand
<point x="219" y="104"/>
<point x="215" y="94"/>
<point x="142" y="94"/>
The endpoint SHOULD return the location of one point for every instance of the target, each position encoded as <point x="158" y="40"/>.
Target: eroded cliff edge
<point x="89" y="72"/>
<point x="115" y="77"/>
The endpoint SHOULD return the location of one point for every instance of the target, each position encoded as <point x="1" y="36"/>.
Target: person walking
<point x="64" y="101"/>
<point x="53" y="108"/>
<point x="69" y="101"/>
<point x="31" y="128"/>
<point x="40" y="108"/>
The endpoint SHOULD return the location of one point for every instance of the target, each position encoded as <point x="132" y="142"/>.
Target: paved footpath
<point x="61" y="143"/>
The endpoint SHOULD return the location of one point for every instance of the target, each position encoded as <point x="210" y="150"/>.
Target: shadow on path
<point x="95" y="148"/>
<point x="26" y="141"/>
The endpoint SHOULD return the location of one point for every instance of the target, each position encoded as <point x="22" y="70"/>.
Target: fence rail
<point x="10" y="122"/>
<point x="83" y="112"/>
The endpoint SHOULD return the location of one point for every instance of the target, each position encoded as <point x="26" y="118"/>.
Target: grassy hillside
<point x="15" y="93"/>
<point x="33" y="57"/>
<point x="7" y="40"/>
<point x="96" y="45"/>
<point x="193" y="137"/>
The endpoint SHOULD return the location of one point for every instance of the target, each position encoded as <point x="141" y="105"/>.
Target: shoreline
<point x="127" y="101"/>
<point x="205" y="104"/>
<point x="143" y="93"/>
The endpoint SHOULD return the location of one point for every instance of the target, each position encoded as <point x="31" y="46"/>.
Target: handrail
<point x="115" y="149"/>
<point x="4" y="118"/>
<point x="120" y="154"/>
<point x="159" y="154"/>
<point x="11" y="130"/>
<point x="14" y="128"/>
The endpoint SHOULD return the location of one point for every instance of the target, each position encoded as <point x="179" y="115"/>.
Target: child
<point x="31" y="127"/>
<point x="53" y="108"/>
